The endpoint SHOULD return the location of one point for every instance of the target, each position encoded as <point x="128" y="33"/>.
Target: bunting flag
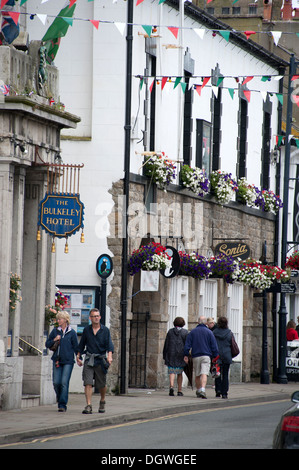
<point x="138" y="2"/>
<point x="42" y="18"/>
<point x="4" y="2"/>
<point x="276" y="36"/>
<point x="225" y="34"/>
<point x="121" y="27"/>
<point x="205" y="81"/>
<point x="72" y="2"/>
<point x="95" y="23"/>
<point x="296" y="99"/>
<point x="280" y="97"/>
<point x="247" y="94"/>
<point x="174" y="31"/>
<point x="198" y="88"/>
<point x="164" y="80"/>
<point x="22" y="2"/>
<point x="231" y="92"/>
<point x="183" y="85"/>
<point x="249" y="33"/>
<point x="246" y="80"/>
<point x="152" y="85"/>
<point x="294" y="77"/>
<point x="200" y="32"/>
<point x="177" y="81"/>
<point x="148" y="30"/>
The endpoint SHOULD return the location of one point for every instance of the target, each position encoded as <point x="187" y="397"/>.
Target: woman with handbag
<point x="223" y="337"/>
<point x="173" y="354"/>
<point x="63" y="341"/>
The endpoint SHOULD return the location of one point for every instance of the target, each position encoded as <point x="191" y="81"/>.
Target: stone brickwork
<point x="207" y="222"/>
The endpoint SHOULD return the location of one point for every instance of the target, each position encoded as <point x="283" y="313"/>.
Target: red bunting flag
<point x="3" y="3"/>
<point x="247" y="94"/>
<point x="246" y="80"/>
<point x="296" y="99"/>
<point x="294" y="77"/>
<point x="95" y="23"/>
<point x="164" y="80"/>
<point x="249" y="33"/>
<point x="151" y="87"/>
<point x="14" y="15"/>
<point x="138" y="2"/>
<point x="198" y="89"/>
<point x="205" y="81"/>
<point x="72" y="3"/>
<point x="174" y="31"/>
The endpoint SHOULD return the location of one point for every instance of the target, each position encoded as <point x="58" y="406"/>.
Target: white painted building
<point x="92" y="68"/>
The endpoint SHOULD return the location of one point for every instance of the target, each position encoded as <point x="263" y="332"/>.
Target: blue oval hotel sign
<point x="61" y="215"/>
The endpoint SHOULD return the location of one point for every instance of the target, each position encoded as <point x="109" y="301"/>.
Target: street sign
<point x="175" y="263"/>
<point x="284" y="287"/>
<point x="104" y="266"/>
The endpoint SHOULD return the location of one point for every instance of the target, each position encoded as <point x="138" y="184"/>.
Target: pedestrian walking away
<point x="173" y="354"/>
<point x="64" y="339"/>
<point x="203" y="346"/>
<point x="223" y="337"/>
<point x="98" y="348"/>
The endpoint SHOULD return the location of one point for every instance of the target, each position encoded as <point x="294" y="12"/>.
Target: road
<point x="230" y="427"/>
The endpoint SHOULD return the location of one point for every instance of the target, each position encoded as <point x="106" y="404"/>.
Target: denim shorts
<point x="201" y="365"/>
<point x="96" y="374"/>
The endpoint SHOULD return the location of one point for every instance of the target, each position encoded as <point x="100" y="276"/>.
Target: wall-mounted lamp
<point x="22" y="147"/>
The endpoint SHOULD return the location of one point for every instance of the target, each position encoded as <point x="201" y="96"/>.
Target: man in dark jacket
<point x="203" y="346"/>
<point x="97" y="341"/>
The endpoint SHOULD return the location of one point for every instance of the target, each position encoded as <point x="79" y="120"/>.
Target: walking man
<point x="97" y="346"/>
<point x="203" y="347"/>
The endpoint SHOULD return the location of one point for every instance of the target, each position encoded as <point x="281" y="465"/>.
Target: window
<point x="203" y="145"/>
<point x="187" y="122"/>
<point x="252" y="9"/>
<point x="211" y="10"/>
<point x="266" y="151"/>
<point x="235" y="314"/>
<point x="208" y="299"/>
<point x="225" y="11"/>
<point x="216" y="130"/>
<point x="153" y="105"/>
<point x="236" y="10"/>
<point x="243" y="122"/>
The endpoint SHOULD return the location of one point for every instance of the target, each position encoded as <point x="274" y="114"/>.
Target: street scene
<point x="149" y="259"/>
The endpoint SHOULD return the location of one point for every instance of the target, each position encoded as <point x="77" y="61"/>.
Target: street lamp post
<point x="124" y="302"/>
<point x="282" y="313"/>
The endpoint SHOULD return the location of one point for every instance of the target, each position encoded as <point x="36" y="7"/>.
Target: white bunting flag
<point x="199" y="32"/>
<point x="276" y="36"/>
<point x="42" y="18"/>
<point x="121" y="27"/>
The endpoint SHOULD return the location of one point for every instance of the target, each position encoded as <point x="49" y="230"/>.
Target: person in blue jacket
<point x="203" y="346"/>
<point x="63" y="357"/>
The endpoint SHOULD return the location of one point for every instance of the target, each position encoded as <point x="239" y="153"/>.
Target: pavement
<point x="138" y="404"/>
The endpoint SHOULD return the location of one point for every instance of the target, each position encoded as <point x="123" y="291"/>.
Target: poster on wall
<point x="292" y="361"/>
<point x="80" y="301"/>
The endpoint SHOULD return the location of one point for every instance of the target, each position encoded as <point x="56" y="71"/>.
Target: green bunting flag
<point x="231" y="92"/>
<point x="219" y="81"/>
<point x="183" y="85"/>
<point x="147" y="29"/>
<point x="22" y="2"/>
<point x="297" y="143"/>
<point x="225" y="34"/>
<point x="280" y="97"/>
<point x="177" y="81"/>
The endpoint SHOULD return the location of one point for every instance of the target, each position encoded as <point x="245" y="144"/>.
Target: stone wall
<point x="201" y="223"/>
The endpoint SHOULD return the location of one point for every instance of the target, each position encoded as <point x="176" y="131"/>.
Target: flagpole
<point x="126" y="190"/>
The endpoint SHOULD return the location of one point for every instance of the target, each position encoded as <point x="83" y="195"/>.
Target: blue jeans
<point x="61" y="380"/>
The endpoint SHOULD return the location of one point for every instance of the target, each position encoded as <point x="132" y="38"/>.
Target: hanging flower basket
<point x="268" y="201"/>
<point x="15" y="287"/>
<point x="276" y="274"/>
<point x="247" y="193"/>
<point x="293" y="260"/>
<point x="223" y="186"/>
<point x="194" y="265"/>
<point x="225" y="267"/>
<point x="252" y="275"/>
<point x="152" y="257"/>
<point x="51" y="310"/>
<point x="195" y="180"/>
<point x="161" y="170"/>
